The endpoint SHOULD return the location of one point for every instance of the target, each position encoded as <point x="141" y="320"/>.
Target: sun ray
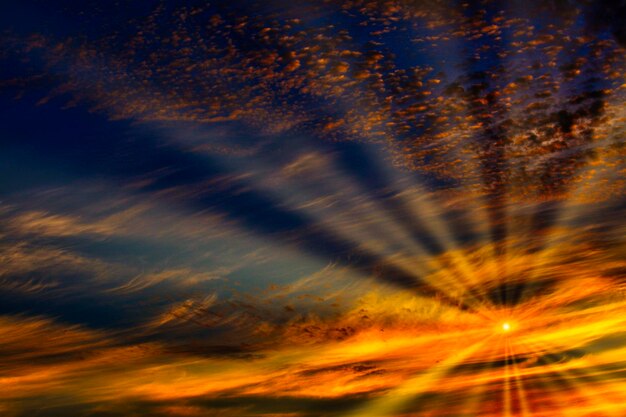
<point x="591" y="394"/>
<point x="398" y="397"/>
<point x="524" y="406"/>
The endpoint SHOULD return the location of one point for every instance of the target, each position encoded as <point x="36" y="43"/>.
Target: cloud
<point x="327" y="209"/>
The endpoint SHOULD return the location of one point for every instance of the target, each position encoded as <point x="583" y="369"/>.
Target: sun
<point x="504" y="326"/>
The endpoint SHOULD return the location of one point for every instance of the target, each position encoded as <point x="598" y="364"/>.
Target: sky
<point x="316" y="208"/>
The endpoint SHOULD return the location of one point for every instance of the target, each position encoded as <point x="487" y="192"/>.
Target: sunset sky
<point x="313" y="208"/>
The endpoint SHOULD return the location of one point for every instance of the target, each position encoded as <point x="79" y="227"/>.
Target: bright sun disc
<point x="506" y="327"/>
